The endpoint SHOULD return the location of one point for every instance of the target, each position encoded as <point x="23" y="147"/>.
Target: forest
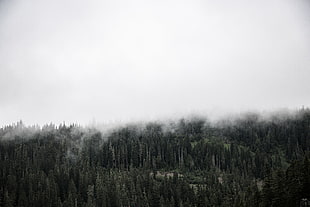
<point x="249" y="160"/>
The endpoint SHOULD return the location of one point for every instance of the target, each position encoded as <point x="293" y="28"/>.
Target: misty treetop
<point x="250" y="160"/>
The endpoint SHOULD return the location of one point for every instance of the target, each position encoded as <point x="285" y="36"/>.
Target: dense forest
<point x="250" y="160"/>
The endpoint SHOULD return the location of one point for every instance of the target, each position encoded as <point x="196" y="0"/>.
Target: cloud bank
<point x="79" y="61"/>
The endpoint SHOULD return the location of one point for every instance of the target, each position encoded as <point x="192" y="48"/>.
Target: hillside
<point x="245" y="161"/>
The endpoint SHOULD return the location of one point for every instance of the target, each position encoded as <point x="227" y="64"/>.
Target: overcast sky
<point x="112" y="60"/>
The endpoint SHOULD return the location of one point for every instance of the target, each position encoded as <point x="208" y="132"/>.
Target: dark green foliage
<point x="247" y="162"/>
<point x="289" y="187"/>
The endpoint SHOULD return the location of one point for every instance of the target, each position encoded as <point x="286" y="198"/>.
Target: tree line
<point x="247" y="161"/>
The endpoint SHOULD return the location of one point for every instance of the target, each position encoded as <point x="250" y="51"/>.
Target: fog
<point x="114" y="61"/>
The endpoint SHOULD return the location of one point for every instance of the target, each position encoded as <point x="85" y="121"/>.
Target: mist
<point x="118" y="61"/>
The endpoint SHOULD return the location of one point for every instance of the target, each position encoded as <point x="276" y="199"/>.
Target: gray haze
<point x="116" y="60"/>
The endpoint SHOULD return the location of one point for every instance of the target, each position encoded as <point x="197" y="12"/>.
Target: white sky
<point x="110" y="60"/>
